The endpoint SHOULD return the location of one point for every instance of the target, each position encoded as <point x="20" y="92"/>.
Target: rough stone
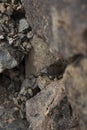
<point x="14" y="43"/>
<point x="23" y="25"/>
<point x="61" y="23"/>
<point x="43" y="82"/>
<point x="8" y="57"/>
<point x="39" y="57"/>
<point x="75" y="80"/>
<point x="43" y="109"/>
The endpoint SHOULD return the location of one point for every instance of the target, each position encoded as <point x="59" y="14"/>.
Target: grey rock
<point x="38" y="107"/>
<point x="21" y="35"/>
<point x="30" y="35"/>
<point x="1" y="37"/>
<point x="8" y="58"/>
<point x="13" y="45"/>
<point x="23" y="24"/>
<point x="28" y="83"/>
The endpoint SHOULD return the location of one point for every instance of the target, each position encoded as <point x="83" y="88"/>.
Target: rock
<point x="6" y="61"/>
<point x="30" y="35"/>
<point x="23" y="25"/>
<point x="43" y="82"/>
<point x="60" y="118"/>
<point x="75" y="80"/>
<point x="49" y="109"/>
<point x="62" y="24"/>
<point x="8" y="57"/>
<point x="14" y="43"/>
<point x="2" y="8"/>
<point x="18" y="125"/>
<point x="39" y="57"/>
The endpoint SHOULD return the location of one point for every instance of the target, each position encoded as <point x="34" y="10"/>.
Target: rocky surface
<point x="10" y="85"/>
<point x="76" y="77"/>
<point x="39" y="57"/>
<point x="60" y="23"/>
<point x="9" y="57"/>
<point x="15" y="34"/>
<point x="47" y="110"/>
<point x="49" y="63"/>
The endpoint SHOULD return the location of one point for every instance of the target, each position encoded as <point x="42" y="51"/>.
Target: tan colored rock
<point x="61" y="23"/>
<point x="43" y="81"/>
<point x="2" y="8"/>
<point x="75" y="80"/>
<point x="50" y="109"/>
<point x="39" y="57"/>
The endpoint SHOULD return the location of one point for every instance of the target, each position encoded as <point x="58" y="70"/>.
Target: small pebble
<point x="23" y="25"/>
<point x="1" y="37"/>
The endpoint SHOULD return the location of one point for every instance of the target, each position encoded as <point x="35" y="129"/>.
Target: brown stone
<point x="50" y="109"/>
<point x="60" y="23"/>
<point x="75" y="80"/>
<point x="39" y="57"/>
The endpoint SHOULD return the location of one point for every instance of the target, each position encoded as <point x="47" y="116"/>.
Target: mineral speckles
<point x="15" y="34"/>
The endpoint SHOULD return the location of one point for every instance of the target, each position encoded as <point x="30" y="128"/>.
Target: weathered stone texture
<point x="39" y="57"/>
<point x="75" y="80"/>
<point x="61" y="23"/>
<point x="49" y="109"/>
